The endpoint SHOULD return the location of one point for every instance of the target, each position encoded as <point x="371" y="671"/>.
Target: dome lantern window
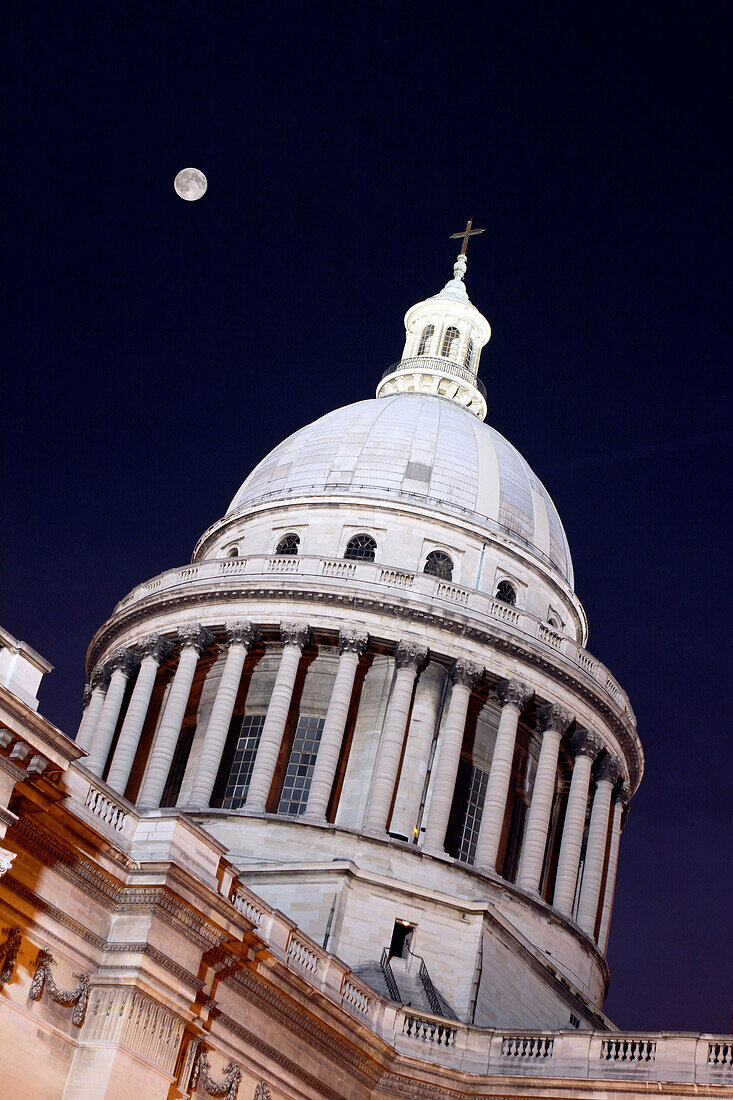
<point x="450" y="336"/>
<point x="425" y="338"/>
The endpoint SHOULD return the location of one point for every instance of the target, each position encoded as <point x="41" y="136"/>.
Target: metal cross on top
<point x="467" y="232"/>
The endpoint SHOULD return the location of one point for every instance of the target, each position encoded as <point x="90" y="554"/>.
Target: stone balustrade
<point x="218" y="573"/>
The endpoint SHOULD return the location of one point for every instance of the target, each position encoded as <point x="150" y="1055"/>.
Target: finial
<point x="459" y="267"/>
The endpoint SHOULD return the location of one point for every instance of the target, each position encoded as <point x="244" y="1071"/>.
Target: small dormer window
<point x="470" y="351"/>
<point x="361" y="548"/>
<point x="506" y="593"/>
<point x="427" y="335"/>
<point x="438" y="564"/>
<point x="450" y="336"/>
<point x="288" y="545"/>
<point x="233" y="552"/>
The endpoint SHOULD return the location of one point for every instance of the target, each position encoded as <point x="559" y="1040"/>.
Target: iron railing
<point x="389" y="978"/>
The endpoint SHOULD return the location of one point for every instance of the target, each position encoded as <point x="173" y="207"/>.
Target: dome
<point x="421" y="448"/>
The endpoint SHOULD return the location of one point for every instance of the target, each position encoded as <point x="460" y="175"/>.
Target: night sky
<point x="155" y="349"/>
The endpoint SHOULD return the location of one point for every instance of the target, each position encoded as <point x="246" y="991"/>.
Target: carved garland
<point x="262" y="1092"/>
<point x="9" y="952"/>
<point x="228" y="1087"/>
<point x="78" y="996"/>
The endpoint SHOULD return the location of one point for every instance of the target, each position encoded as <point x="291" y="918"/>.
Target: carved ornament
<point x="86" y="696"/>
<point x="262" y="1092"/>
<point x="194" y="637"/>
<point x="228" y="1087"/>
<point x="552" y="716"/>
<point x="410" y="655"/>
<point x="244" y="634"/>
<point x="513" y="693"/>
<point x="156" y="647"/>
<point x="609" y="770"/>
<point x="465" y="673"/>
<point x="9" y="953"/>
<point x="78" y="996"/>
<point x="353" y="641"/>
<point x="297" y="634"/>
<point x="100" y="677"/>
<point x="585" y="743"/>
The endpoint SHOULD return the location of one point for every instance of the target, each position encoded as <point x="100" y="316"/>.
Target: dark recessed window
<point x="243" y="762"/>
<point x="438" y="564"/>
<point x="361" y="548"/>
<point x="288" y="544"/>
<point x="232" y="552"/>
<point x="427" y="335"/>
<point x="296" y="785"/>
<point x="450" y="336"/>
<point x="506" y="593"/>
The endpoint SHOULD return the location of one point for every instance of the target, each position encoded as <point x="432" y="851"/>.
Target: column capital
<point x="353" y="641"/>
<point x="298" y="634"/>
<point x="100" y="677"/>
<point x="86" y="696"/>
<point x="584" y="742"/>
<point x="156" y="647"/>
<point x="553" y="716"/>
<point x="622" y="794"/>
<point x="465" y="672"/>
<point x="609" y="770"/>
<point x="194" y="637"/>
<point x="410" y="655"/>
<point x="513" y="693"/>
<point x="241" y="633"/>
<point x="123" y="659"/>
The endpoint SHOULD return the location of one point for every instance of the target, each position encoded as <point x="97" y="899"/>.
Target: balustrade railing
<point x="439" y="1032"/>
<point x="303" y="954"/>
<point x="102" y="806"/>
<point x="481" y="604"/>
<point x="527" y="1046"/>
<point x="628" y="1050"/>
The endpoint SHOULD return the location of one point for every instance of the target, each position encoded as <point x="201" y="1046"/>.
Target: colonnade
<point x="590" y="907"/>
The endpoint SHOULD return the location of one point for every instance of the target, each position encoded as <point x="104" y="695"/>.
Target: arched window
<point x="552" y="621"/>
<point x="288" y="544"/>
<point x="438" y="564"/>
<point x="361" y="548"/>
<point x="427" y="335"/>
<point x="468" y="361"/>
<point x="506" y="593"/>
<point x="232" y="552"/>
<point x="450" y="336"/>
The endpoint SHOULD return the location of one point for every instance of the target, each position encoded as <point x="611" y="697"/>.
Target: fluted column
<point x="554" y="720"/>
<point x="585" y="747"/>
<point x="295" y="636"/>
<point x="120" y="665"/>
<point x="240" y="639"/>
<point x="409" y="659"/>
<point x="98" y="690"/>
<point x="464" y="675"/>
<point x="620" y="803"/>
<point x="193" y="642"/>
<point x="513" y="696"/>
<point x="152" y="651"/>
<point x="352" y="646"/>
<point x="595" y="850"/>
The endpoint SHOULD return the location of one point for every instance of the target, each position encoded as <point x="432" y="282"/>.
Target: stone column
<point x="554" y="720"/>
<point x="464" y="675"/>
<point x="240" y="639"/>
<point x="352" y="646"/>
<point x="513" y="696"/>
<point x="98" y="690"/>
<point x="585" y="747"/>
<point x="152" y="651"/>
<point x="296" y="637"/>
<point x="193" y="642"/>
<point x="621" y="800"/>
<point x="607" y="774"/>
<point x="120" y="665"/>
<point x="409" y="659"/>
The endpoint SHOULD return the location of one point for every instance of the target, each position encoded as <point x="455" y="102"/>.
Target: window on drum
<point x="297" y="782"/>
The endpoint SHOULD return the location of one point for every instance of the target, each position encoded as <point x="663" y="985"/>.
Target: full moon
<point x="190" y="184"/>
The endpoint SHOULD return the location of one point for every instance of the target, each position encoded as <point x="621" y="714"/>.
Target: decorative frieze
<point x="43" y="978"/>
<point x="125" y="1015"/>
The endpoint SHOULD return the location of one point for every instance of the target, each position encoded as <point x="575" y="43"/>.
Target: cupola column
<point x="409" y="658"/>
<point x="464" y="675"/>
<point x="620" y="804"/>
<point x="352" y="647"/>
<point x="585" y="747"/>
<point x="595" y="852"/>
<point x="95" y="702"/>
<point x="513" y="696"/>
<point x="240" y="639"/>
<point x="152" y="651"/>
<point x="554" y="720"/>
<point x="120" y="665"/>
<point x="296" y="637"/>
<point x="193" y="642"/>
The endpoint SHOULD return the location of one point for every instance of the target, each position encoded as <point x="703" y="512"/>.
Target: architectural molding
<point x="43" y="978"/>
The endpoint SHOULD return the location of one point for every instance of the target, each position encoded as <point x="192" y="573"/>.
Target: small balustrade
<point x="396" y="576"/>
<point x="304" y="956"/>
<point x="628" y="1050"/>
<point x="439" y="1032"/>
<point x="503" y="611"/>
<point x="105" y="808"/>
<point x="720" y="1054"/>
<point x="244" y="904"/>
<point x="355" y="998"/>
<point x="283" y="565"/>
<point x="337" y="567"/>
<point x="446" y="591"/>
<point x="548" y="636"/>
<point x="527" y="1046"/>
<point x="232" y="565"/>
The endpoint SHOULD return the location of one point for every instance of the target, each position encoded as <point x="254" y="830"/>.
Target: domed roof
<point x="417" y="448"/>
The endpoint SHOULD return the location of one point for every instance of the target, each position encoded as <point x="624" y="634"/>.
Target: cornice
<point x="514" y="646"/>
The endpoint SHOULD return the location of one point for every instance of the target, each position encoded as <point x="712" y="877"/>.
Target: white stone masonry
<point x="619" y="806"/>
<point x="554" y="720"/>
<point x="153" y="650"/>
<point x="120" y="665"/>
<point x="585" y="746"/>
<point x="595" y="852"/>
<point x="90" y="717"/>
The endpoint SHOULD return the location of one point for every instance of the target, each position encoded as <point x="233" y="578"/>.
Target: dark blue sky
<point x="155" y="350"/>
